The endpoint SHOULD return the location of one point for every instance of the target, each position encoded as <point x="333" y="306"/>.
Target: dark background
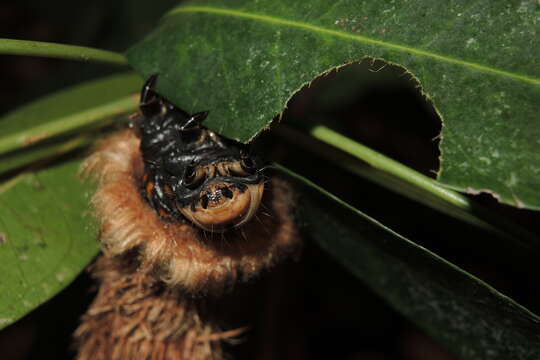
<point x="324" y="312"/>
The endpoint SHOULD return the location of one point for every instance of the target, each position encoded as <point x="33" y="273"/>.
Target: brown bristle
<point x="149" y="188"/>
<point x="135" y="317"/>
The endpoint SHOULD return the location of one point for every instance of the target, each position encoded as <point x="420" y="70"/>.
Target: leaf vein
<point x="354" y="37"/>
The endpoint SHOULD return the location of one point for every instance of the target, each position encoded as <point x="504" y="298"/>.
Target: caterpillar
<point x="185" y="216"/>
<point x="190" y="171"/>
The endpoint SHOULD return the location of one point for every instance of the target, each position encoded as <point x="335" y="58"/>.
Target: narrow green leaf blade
<point x="243" y="60"/>
<point x="20" y="159"/>
<point x="466" y="315"/>
<point x="46" y="237"/>
<point x="68" y="110"/>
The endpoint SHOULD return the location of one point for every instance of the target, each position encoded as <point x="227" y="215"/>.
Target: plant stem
<point x="388" y="165"/>
<point x="410" y="183"/>
<point x="59" y="51"/>
<point x="399" y="185"/>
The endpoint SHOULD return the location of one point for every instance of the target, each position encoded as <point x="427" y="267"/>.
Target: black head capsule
<point x="190" y="171"/>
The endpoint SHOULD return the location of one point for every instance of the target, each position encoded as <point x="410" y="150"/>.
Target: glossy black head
<point x="190" y="171"/>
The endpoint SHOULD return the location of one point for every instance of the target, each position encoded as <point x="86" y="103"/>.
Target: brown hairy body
<point x="136" y="317"/>
<point x="156" y="275"/>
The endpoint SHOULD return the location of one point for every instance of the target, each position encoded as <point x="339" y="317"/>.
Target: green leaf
<point x="60" y="51"/>
<point x="465" y="314"/>
<point x="46" y="237"/>
<point x="72" y="109"/>
<point x="244" y="59"/>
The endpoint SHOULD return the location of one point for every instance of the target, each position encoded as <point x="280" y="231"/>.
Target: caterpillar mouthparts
<point x="223" y="206"/>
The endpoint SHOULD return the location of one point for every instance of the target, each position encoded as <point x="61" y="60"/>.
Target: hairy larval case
<point x="185" y="215"/>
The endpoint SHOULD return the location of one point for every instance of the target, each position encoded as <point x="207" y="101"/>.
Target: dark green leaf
<point x="46" y="237"/>
<point x="466" y="315"/>
<point x="244" y="59"/>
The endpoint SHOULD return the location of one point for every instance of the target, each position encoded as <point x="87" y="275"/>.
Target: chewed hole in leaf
<point x="381" y="106"/>
<point x="377" y="104"/>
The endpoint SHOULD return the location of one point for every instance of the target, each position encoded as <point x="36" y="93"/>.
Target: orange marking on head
<point x="164" y="214"/>
<point x="149" y="188"/>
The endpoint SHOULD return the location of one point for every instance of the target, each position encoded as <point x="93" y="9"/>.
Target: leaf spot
<point x="45" y="288"/>
<point x="61" y="277"/>
<point x="3" y="239"/>
<point x="524" y="6"/>
<point x="485" y="160"/>
<point x="472" y="42"/>
<point x="512" y="181"/>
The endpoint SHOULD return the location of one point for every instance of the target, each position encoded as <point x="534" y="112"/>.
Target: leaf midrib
<point x="359" y="38"/>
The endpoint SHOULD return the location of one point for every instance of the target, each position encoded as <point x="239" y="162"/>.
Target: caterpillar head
<point x="193" y="173"/>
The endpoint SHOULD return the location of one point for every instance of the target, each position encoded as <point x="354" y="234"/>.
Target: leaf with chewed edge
<point x="244" y="59"/>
